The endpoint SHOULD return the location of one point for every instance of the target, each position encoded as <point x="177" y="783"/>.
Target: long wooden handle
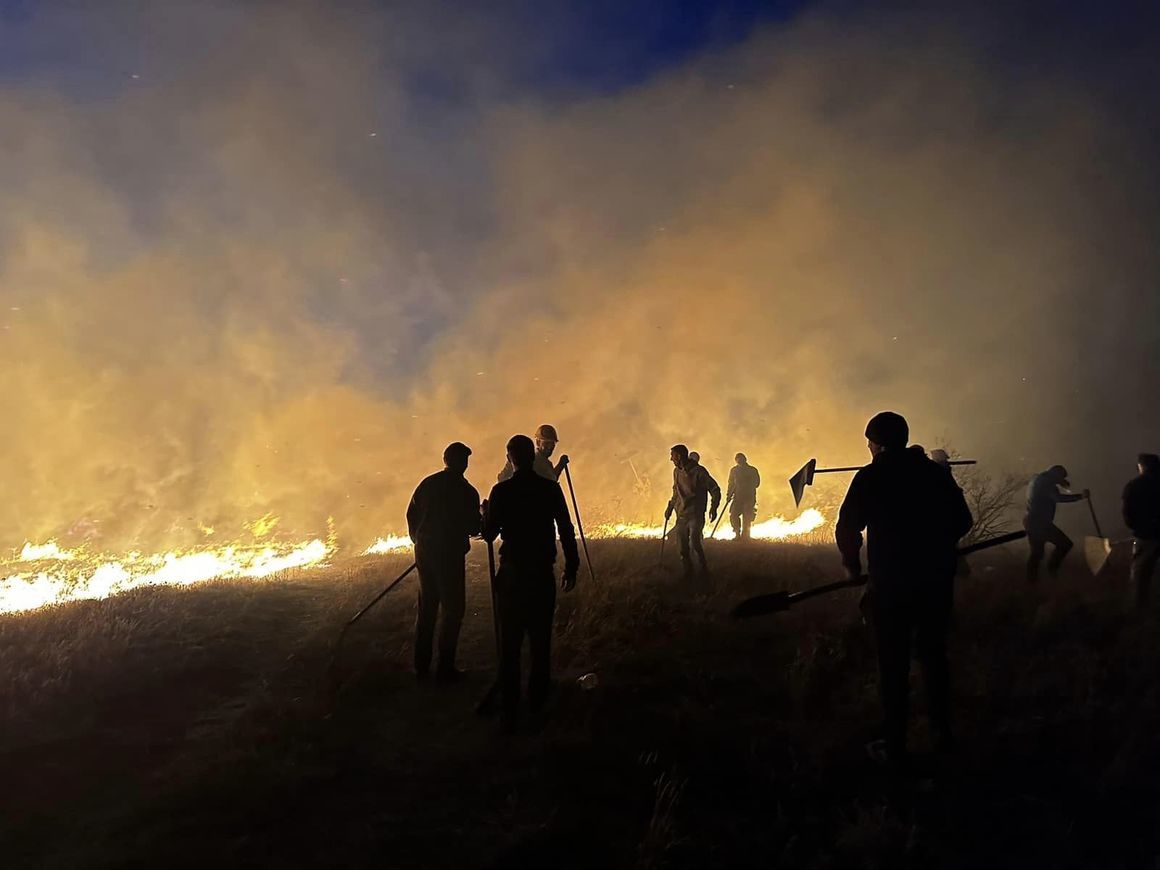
<point x="1091" y="507"/>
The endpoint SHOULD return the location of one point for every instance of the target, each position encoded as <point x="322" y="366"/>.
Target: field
<point x="201" y="727"/>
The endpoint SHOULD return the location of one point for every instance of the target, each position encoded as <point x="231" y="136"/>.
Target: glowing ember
<point x="389" y="544"/>
<point x="37" y="552"/>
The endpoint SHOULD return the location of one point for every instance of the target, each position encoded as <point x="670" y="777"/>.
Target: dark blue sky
<point x="561" y="49"/>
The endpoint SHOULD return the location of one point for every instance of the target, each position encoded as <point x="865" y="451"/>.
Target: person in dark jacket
<point x="442" y="516"/>
<point x="913" y="514"/>
<point x="1043" y="494"/>
<point x="1142" y="516"/>
<point x="527" y="511"/>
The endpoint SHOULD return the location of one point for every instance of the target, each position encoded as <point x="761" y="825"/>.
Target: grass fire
<point x="579" y="434"/>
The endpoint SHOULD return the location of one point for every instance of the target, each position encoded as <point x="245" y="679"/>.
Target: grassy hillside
<point x="202" y="727"/>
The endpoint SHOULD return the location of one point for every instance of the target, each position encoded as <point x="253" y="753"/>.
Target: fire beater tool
<point x="776" y="602"/>
<point x="486" y="706"/>
<point x="1095" y="522"/>
<point x="579" y="525"/>
<point x="363" y="612"/>
<point x="664" y="535"/>
<point x="724" y="508"/>
<point x="805" y="475"/>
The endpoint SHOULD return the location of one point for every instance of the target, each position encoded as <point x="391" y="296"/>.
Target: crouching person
<point x="526" y="511"/>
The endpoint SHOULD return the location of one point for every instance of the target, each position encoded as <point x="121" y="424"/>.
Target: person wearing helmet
<point x="692" y="488"/>
<point x="545" y="440"/>
<point x="913" y="514"/>
<point x="1142" y="515"/>
<point x="741" y="493"/>
<point x="1043" y="494"/>
<point x="442" y="515"/>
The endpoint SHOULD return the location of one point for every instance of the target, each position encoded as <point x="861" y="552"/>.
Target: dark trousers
<point x="690" y="531"/>
<point x="1145" y="554"/>
<point x="913" y="615"/>
<point x="741" y="516"/>
<point x="527" y="605"/>
<point x="442" y="580"/>
<point x="1038" y="537"/>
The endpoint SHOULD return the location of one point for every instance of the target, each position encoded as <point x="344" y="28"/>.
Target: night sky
<point x="273" y="256"/>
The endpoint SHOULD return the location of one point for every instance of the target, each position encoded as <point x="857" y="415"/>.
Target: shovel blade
<point x="803" y="478"/>
<point x="760" y="605"/>
<point x="1095" y="553"/>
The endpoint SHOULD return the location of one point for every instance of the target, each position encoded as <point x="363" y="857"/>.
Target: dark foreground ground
<point x="198" y="728"/>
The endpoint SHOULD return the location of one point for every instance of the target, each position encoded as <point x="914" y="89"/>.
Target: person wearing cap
<point x="545" y="443"/>
<point x="441" y="517"/>
<point x="692" y="488"/>
<point x="741" y="493"/>
<point x="527" y="511"/>
<point x="1043" y="494"/>
<point x="913" y="514"/>
<point x="1142" y="516"/>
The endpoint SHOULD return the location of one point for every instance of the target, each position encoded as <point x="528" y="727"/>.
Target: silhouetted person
<point x="545" y="442"/>
<point x="1142" y="516"/>
<point x="527" y="511"/>
<point x="442" y="515"/>
<point x="744" y="480"/>
<point x="1042" y="496"/>
<point x="913" y="514"/>
<point x="692" y="486"/>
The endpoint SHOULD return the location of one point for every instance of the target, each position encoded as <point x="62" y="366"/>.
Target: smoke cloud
<point x="269" y="259"/>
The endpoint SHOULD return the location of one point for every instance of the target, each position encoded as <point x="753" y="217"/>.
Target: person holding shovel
<point x="1142" y="516"/>
<point x="1043" y="494"/>
<point x="913" y="514"/>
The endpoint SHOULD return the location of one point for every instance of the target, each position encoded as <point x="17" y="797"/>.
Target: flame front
<point x="75" y="575"/>
<point x="774" y="529"/>
<point x="44" y="574"/>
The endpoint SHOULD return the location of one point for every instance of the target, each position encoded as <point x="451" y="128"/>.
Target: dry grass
<point x="199" y="727"/>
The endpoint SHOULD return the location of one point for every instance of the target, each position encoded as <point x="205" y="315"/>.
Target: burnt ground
<point x="204" y="726"/>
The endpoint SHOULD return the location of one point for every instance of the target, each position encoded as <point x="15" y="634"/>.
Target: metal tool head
<point x="804" y="478"/>
<point x="1096" y="552"/>
<point x="760" y="605"/>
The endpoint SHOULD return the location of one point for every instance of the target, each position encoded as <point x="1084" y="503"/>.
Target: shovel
<point x="1096" y="550"/>
<point x="776" y="602"/>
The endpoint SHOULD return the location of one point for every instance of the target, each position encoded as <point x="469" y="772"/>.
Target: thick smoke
<point x="268" y="259"/>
